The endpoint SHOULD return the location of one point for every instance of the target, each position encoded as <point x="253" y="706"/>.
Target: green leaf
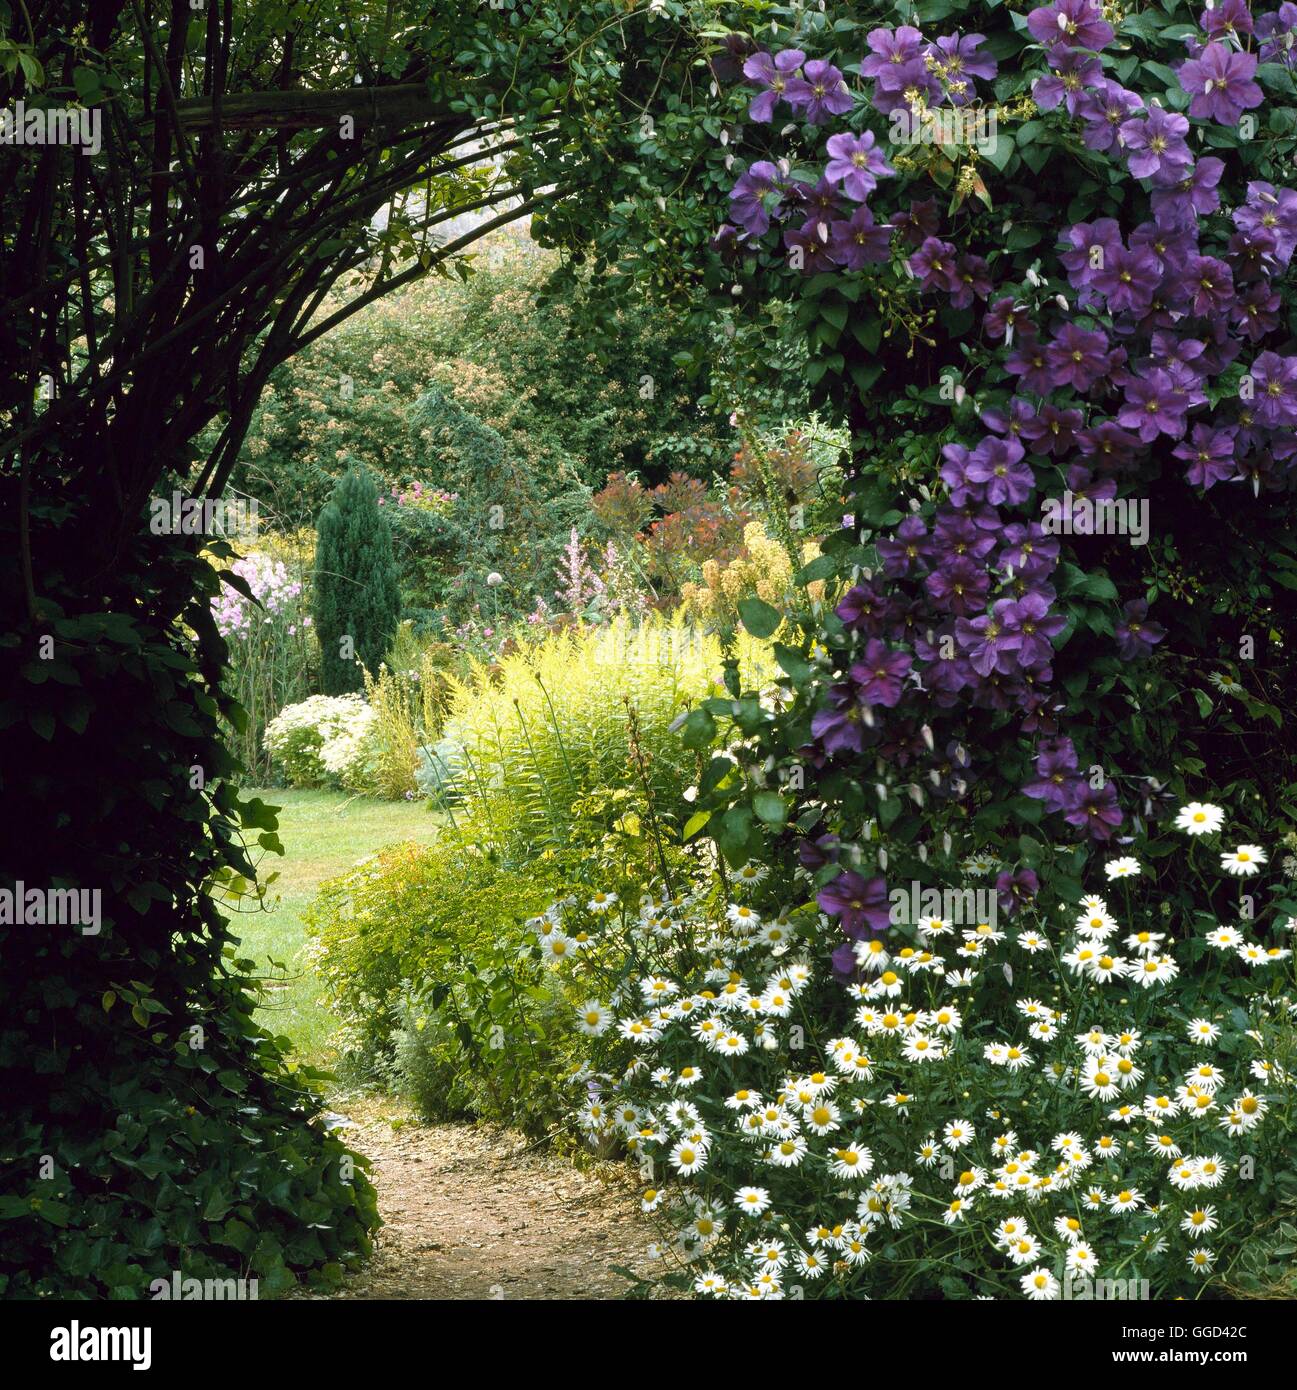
<point x="699" y="729"/>
<point x="760" y="619"/>
<point x="695" y="823"/>
<point x="1001" y="151"/>
<point x="770" y="807"/>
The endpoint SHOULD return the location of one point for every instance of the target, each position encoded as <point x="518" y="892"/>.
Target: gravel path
<point x="473" y="1213"/>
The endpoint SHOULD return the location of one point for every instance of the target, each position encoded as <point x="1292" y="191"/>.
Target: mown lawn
<point x="323" y="833"/>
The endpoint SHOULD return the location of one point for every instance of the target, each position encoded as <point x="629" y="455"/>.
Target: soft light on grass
<point x="323" y="833"/>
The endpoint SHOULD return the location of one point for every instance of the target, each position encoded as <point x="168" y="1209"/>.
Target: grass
<point x="323" y="833"/>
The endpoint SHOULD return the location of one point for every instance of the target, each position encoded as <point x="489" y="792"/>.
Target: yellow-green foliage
<point x="548" y="723"/>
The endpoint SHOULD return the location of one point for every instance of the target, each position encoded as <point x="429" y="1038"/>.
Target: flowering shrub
<point x="1009" y="1106"/>
<point x="321" y="740"/>
<point x="262" y="615"/>
<point x="764" y="571"/>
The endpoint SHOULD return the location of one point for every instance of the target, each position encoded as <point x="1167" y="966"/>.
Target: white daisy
<point x="1243" y="861"/>
<point x="594" y="1018"/>
<point x="1199" y="818"/>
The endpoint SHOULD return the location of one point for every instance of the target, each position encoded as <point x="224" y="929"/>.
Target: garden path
<point x="474" y="1213"/>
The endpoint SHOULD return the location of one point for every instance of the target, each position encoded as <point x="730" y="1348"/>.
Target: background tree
<point x="357" y="602"/>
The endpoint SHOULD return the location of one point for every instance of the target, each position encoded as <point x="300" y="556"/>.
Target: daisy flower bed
<point x="1089" y="1100"/>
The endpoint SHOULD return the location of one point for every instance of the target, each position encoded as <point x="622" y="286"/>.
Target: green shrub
<point x="426" y="960"/>
<point x="357" y="603"/>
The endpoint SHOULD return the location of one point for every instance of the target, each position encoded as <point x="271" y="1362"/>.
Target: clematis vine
<point x="1169" y="345"/>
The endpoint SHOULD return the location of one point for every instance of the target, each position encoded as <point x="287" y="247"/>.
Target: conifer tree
<point x="357" y="602"/>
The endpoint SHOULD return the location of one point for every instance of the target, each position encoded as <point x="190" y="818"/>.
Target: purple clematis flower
<point x="919" y="222"/>
<point x="864" y="609"/>
<point x="812" y="241"/>
<point x="891" y="50"/>
<point x="999" y="464"/>
<point x="1073" y="23"/>
<point x="1226" y="19"/>
<point x="973" y="278"/>
<point x="991" y="640"/>
<point x="1210" y="455"/>
<point x="1156" y="146"/>
<point x="1036" y="627"/>
<point x="957" y="532"/>
<point x="748" y="197"/>
<point x="815" y="854"/>
<point x="1029" y="361"/>
<point x="1029" y="550"/>
<point x="1136" y="635"/>
<point x="1274" y="389"/>
<point x="954" y="473"/>
<point x="1271" y="210"/>
<point x="1011" y="422"/>
<point x="1015" y="889"/>
<point x="1077" y="357"/>
<point x="1210" y="284"/>
<point x="839" y="728"/>
<point x="821" y="92"/>
<point x="861" y="906"/>
<point x="934" y="264"/>
<point x="909" y="545"/>
<point x="880" y="674"/>
<point x="1103" y="108"/>
<point x="1220" y="81"/>
<point x="1194" y="196"/>
<point x="774" y="74"/>
<point x="1256" y="311"/>
<point x="857" y="241"/>
<point x="856" y="162"/>
<point x="1005" y="319"/>
<point x="1108" y="446"/>
<point x="1128" y="279"/>
<point x="1074" y="74"/>
<point x="1153" y="406"/>
<point x="1095" y="809"/>
<point x="1091" y="245"/>
<point x="1277" y="32"/>
<point x="958" y="586"/>
<point x="1056" y="766"/>
<point x="1053" y="431"/>
<point x="958" y="62"/>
